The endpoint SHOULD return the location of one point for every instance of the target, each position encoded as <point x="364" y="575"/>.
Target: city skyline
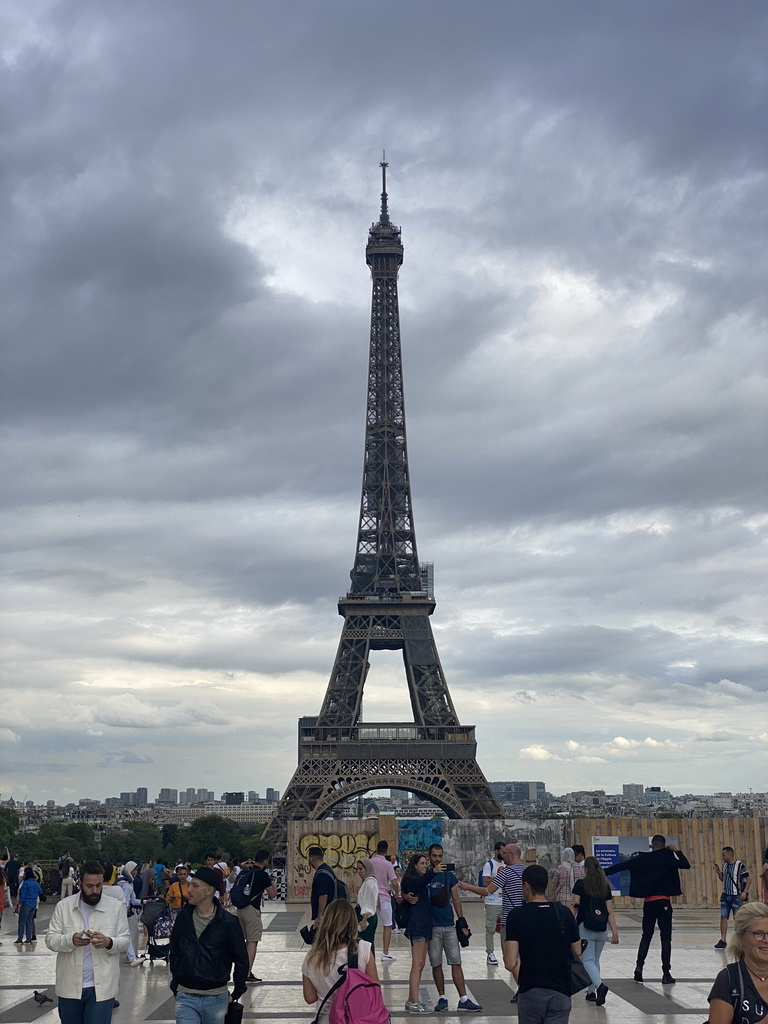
<point x="188" y="195"/>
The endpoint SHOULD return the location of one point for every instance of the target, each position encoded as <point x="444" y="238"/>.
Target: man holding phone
<point x="88" y="932"/>
<point x="443" y="894"/>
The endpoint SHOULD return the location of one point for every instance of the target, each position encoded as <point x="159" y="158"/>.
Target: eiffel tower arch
<point x="387" y="607"/>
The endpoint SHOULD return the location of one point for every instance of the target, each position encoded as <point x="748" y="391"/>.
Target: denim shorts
<point x="730" y="904"/>
<point x="419" y="938"/>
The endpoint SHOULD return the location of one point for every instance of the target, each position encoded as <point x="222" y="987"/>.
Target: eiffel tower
<point x="387" y="607"/>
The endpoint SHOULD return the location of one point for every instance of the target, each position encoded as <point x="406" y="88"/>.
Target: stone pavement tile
<point x="144" y="992"/>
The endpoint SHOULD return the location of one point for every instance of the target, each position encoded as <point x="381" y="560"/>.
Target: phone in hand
<point x="450" y="867"/>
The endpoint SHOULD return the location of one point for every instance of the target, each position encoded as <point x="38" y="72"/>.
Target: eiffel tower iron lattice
<point x="387" y="607"/>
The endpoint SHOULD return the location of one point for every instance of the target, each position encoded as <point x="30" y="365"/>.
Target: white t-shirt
<point x="494" y="900"/>
<point x="88" y="979"/>
<point x="324" y="982"/>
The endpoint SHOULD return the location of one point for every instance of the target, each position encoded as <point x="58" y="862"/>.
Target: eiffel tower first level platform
<point x="387" y="607"/>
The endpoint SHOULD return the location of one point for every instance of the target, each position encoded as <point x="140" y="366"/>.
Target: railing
<point x="385" y="732"/>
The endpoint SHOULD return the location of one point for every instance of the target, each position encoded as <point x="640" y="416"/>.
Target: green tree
<point x="144" y="841"/>
<point x="170" y="835"/>
<point x="27" y="845"/>
<point x="81" y="832"/>
<point x="208" y="834"/>
<point x="252" y="841"/>
<point x="115" y="846"/>
<point x="9" y="823"/>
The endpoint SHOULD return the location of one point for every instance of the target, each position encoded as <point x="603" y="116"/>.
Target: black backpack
<point x="595" y="914"/>
<point x="243" y="893"/>
<point x="340" y="890"/>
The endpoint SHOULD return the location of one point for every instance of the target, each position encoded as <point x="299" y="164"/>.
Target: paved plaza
<point x="145" y="996"/>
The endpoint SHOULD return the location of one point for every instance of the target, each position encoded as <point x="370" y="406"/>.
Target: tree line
<point x="135" y="840"/>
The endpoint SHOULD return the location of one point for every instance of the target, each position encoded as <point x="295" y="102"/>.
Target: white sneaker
<point x="388" y="958"/>
<point x="491" y="959"/>
<point x="136" y="963"/>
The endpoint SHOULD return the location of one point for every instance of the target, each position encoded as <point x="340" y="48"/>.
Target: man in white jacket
<point x="88" y="933"/>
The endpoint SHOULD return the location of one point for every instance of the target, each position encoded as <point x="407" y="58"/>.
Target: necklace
<point x="756" y="975"/>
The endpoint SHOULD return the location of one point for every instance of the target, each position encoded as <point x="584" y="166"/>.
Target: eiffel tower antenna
<point x="387" y="607"/>
<point x="384" y="218"/>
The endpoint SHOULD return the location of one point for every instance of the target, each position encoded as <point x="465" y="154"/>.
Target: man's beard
<point x="90" y="900"/>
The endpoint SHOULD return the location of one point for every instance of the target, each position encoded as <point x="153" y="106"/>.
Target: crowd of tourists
<point x="552" y="930"/>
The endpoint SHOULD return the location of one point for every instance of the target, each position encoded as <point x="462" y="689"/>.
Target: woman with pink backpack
<point x="339" y="972"/>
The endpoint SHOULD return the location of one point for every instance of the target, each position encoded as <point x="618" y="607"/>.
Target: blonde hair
<point x="743" y="921"/>
<point x="337" y="930"/>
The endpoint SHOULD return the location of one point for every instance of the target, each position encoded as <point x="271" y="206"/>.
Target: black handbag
<point x="234" y="1014"/>
<point x="580" y="978"/>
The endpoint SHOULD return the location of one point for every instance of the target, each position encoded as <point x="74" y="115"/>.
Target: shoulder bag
<point x="580" y="978"/>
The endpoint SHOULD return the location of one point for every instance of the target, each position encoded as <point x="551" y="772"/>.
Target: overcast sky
<point x="186" y="193"/>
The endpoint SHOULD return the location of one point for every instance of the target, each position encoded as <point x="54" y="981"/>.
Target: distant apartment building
<point x="142" y="798"/>
<point x="168" y="797"/>
<point x="273" y="795"/>
<point x="633" y="790"/>
<point x="233" y="799"/>
<point x="520" y="792"/>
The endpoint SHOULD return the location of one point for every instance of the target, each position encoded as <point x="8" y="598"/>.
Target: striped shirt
<point x="509" y="879"/>
<point x="734" y="878"/>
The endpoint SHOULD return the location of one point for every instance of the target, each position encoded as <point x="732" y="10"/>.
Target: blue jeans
<point x="85" y="1010"/>
<point x="201" y="1009"/>
<point x="26" y="923"/>
<point x="591" y="955"/>
<point x="730" y="904"/>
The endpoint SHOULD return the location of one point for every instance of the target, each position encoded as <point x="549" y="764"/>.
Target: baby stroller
<point x="156" y="918"/>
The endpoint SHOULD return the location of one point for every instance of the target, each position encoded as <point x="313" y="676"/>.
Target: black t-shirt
<point x="545" y="952"/>
<point x="580" y="891"/>
<point x="753" y="1007"/>
<point x="259" y="883"/>
<point x="323" y="884"/>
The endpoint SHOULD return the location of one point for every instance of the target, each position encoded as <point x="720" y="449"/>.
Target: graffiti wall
<point x="468" y="844"/>
<point x="343" y="843"/>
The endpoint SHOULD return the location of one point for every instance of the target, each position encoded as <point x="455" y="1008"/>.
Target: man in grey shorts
<point x="443" y="894"/>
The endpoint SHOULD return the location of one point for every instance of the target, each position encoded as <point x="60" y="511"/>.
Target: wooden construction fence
<point x="700" y="839"/>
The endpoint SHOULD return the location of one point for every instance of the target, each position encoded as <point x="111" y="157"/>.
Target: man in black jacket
<point x="654" y="877"/>
<point x="206" y="942"/>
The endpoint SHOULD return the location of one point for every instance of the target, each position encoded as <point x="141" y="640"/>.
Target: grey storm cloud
<point x="186" y="190"/>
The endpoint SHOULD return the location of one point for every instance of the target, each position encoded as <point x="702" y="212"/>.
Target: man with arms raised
<point x="655" y="878"/>
<point x="206" y="942"/>
<point x="88" y="932"/>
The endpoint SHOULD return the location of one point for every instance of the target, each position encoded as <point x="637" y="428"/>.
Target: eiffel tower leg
<point x="432" y="704"/>
<point x="344" y="695"/>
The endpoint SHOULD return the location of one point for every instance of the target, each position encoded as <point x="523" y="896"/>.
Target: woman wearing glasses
<point x="740" y="992"/>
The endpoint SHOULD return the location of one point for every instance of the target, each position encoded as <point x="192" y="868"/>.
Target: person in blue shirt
<point x="29" y="893"/>
<point x="443" y="894"/>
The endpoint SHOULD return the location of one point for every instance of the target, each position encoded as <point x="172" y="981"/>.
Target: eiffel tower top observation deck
<point x="387" y="607"/>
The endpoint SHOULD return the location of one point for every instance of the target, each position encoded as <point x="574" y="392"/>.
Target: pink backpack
<point x="357" y="999"/>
